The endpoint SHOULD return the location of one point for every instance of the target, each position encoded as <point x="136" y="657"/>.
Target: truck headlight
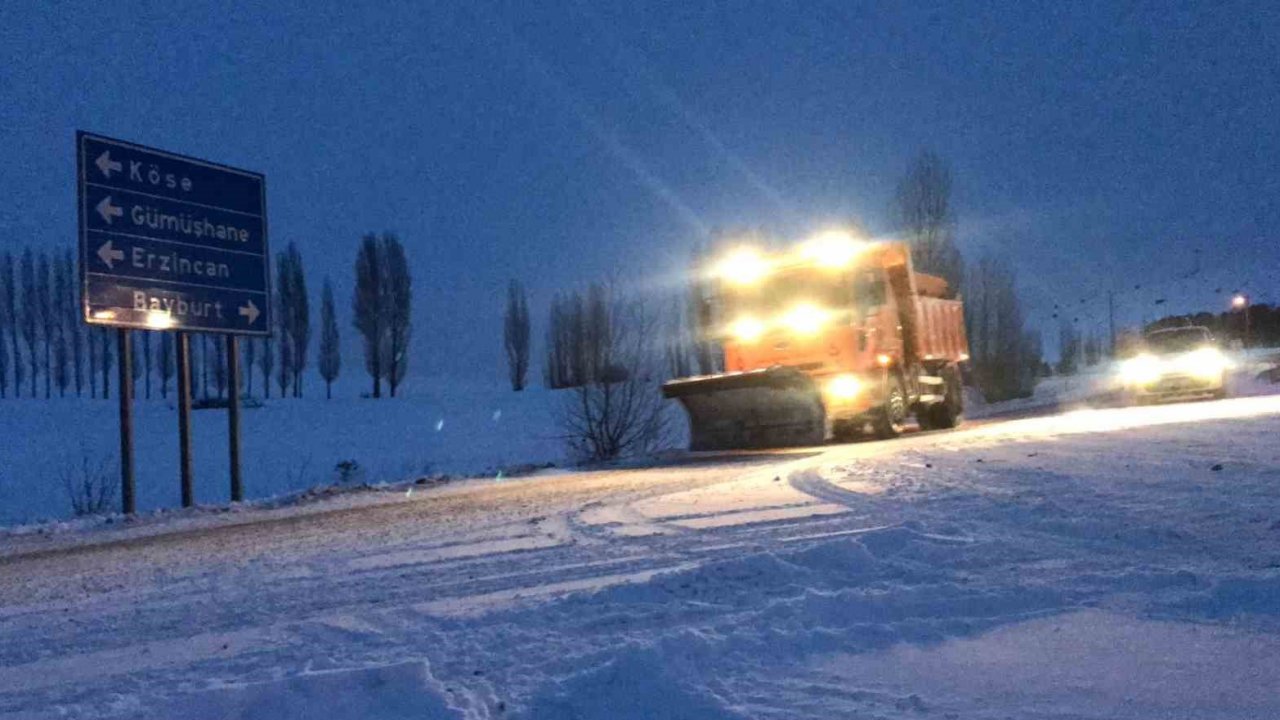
<point x="1206" y="363"/>
<point x="747" y="329"/>
<point x="805" y="319"/>
<point x="844" y="387"/>
<point x="743" y="267"/>
<point x="835" y="249"/>
<point x="1141" y="370"/>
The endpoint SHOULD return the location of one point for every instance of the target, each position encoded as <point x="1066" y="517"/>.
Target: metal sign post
<point x="170" y="242"/>
<point x="184" y="419"/>
<point x="233" y="415"/>
<point x="128" y="501"/>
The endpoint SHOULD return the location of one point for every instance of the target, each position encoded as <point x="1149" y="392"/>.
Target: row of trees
<point x="1006" y="357"/>
<point x="45" y="343"/>
<point x="41" y="337"/>
<point x="1078" y="349"/>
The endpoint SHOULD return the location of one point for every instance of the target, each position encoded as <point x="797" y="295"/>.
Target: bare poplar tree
<point x="74" y="325"/>
<point x="30" y="323"/>
<point x="294" y="311"/>
<point x="4" y="345"/>
<point x="11" y="318"/>
<point x="922" y="208"/>
<point x="556" y="366"/>
<point x="698" y="316"/>
<point x="565" y="364"/>
<point x="105" y="360"/>
<point x="283" y="317"/>
<point x="266" y="361"/>
<point x="250" y="361"/>
<point x="49" y="319"/>
<point x="164" y="362"/>
<point x="368" y="307"/>
<point x="60" y="307"/>
<point x="1004" y="355"/>
<point x="515" y="335"/>
<point x="6" y="315"/>
<point x="219" y="358"/>
<point x="679" y="340"/>
<point x="330" y="348"/>
<point x="146" y="362"/>
<point x="300" y="320"/>
<point x="1070" y="348"/>
<point x="136" y="362"/>
<point x="284" y="369"/>
<point x="91" y="343"/>
<point x="399" y="309"/>
<point x="203" y="358"/>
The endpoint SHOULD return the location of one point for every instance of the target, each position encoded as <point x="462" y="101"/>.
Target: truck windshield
<point x="785" y="290"/>
<point x="1178" y="340"/>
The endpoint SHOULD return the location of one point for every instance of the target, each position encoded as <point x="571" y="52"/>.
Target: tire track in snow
<point x="811" y="483"/>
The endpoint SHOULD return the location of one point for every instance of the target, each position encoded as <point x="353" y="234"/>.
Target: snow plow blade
<point x="778" y="407"/>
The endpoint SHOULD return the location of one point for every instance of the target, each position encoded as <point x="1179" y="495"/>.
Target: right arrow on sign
<point x="110" y="255"/>
<point x="249" y="310"/>
<point x="108" y="211"/>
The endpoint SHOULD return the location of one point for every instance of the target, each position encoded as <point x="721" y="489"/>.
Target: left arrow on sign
<point x="107" y="165"/>
<point x="250" y="311"/>
<point x="110" y="255"/>
<point x="108" y="211"/>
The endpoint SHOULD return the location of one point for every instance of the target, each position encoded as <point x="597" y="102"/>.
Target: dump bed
<point x="941" y="334"/>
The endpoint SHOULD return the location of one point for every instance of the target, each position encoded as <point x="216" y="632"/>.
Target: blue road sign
<point x="170" y="242"/>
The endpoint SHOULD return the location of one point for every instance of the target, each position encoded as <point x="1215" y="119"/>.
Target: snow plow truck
<point x="836" y="339"/>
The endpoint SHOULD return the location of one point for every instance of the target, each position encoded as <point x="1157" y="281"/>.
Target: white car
<point x="1177" y="364"/>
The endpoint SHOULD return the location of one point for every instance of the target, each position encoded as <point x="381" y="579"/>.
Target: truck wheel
<point x="946" y="414"/>
<point x="847" y="431"/>
<point x="891" y="419"/>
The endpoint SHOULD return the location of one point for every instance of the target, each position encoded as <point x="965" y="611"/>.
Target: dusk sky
<point x="1096" y="146"/>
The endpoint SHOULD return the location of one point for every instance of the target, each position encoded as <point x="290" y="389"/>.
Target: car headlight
<point x="747" y="329"/>
<point x="1206" y="363"/>
<point x="805" y="319"/>
<point x="1141" y="370"/>
<point x="844" y="387"/>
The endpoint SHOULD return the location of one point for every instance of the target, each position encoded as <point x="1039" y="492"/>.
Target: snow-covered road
<point x="1109" y="563"/>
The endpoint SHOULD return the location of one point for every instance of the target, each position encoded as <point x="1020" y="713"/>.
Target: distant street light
<point x="1241" y="302"/>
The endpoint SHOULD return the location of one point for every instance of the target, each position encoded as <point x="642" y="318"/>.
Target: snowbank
<point x="288" y="445"/>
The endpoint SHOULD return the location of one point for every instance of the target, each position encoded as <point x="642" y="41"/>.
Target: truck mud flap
<point x="752" y="410"/>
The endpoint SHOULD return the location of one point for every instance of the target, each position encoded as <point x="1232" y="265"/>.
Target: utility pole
<point x="1242" y="302"/>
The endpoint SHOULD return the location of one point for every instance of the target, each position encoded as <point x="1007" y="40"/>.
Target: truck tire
<point x="948" y="413"/>
<point x="891" y="418"/>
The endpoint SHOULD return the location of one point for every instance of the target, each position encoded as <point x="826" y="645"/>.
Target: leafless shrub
<point x="90" y="486"/>
<point x="618" y="409"/>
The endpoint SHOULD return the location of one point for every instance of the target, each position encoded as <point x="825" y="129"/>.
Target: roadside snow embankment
<point x="287" y="445"/>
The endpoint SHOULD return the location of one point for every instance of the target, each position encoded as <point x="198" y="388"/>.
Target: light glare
<point x="834" y="249"/>
<point x="748" y="329"/>
<point x="844" y="387"/>
<point x="743" y="267"/>
<point x="805" y="319"/>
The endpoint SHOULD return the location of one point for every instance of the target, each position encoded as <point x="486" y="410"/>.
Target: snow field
<point x="1109" y="563"/>
<point x="287" y="446"/>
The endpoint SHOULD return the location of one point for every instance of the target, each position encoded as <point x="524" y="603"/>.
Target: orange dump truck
<point x="832" y="340"/>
